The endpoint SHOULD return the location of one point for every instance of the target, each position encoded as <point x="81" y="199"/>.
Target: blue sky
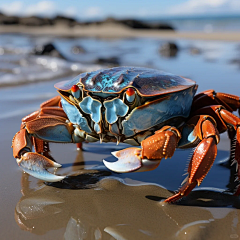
<point x="87" y="9"/>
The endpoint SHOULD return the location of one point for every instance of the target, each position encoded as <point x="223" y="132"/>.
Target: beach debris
<point x="169" y="49"/>
<point x="138" y="106"/>
<point x="48" y="49"/>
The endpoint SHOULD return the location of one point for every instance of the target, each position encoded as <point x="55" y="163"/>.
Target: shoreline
<point x="117" y="31"/>
<point x="94" y="202"/>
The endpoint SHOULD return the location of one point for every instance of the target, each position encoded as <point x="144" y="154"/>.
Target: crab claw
<point x="130" y="160"/>
<point x="35" y="164"/>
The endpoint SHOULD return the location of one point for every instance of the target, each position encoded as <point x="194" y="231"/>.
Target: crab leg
<point x="53" y="107"/>
<point x="42" y="147"/>
<point x="210" y="97"/>
<point x="226" y="121"/>
<point x="55" y="101"/>
<point x="202" y="158"/>
<point x="234" y="121"/>
<point x="37" y="129"/>
<point x="34" y="164"/>
<point x="161" y="145"/>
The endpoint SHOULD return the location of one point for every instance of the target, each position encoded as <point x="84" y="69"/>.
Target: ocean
<point x="200" y="23"/>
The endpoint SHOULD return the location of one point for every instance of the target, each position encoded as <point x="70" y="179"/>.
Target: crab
<point x="139" y="106"/>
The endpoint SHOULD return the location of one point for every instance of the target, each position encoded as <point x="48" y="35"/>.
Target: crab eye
<point x="75" y="91"/>
<point x="130" y="95"/>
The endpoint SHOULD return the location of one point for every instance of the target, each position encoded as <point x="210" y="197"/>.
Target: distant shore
<point x="62" y="26"/>
<point x="112" y="30"/>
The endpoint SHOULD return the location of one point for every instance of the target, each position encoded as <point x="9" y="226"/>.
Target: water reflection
<point x="103" y="207"/>
<point x="114" y="209"/>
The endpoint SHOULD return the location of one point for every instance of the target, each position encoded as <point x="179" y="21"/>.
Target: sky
<point x="92" y="9"/>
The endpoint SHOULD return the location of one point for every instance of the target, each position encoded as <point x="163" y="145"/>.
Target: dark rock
<point x="235" y="61"/>
<point x="113" y="61"/>
<point x="132" y="23"/>
<point x="48" y="49"/>
<point x="163" y="26"/>
<point x="135" y="24"/>
<point x="169" y="49"/>
<point x="64" y="20"/>
<point x="70" y="22"/>
<point x="35" y="21"/>
<point x="8" y="20"/>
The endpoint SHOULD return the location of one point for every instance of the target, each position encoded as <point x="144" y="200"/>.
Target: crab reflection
<point x="103" y="207"/>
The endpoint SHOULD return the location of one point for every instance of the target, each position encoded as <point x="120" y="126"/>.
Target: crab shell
<point x="100" y="104"/>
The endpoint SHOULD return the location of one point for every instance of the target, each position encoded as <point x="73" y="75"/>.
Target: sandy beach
<point x="93" y="202"/>
<point x="110" y="30"/>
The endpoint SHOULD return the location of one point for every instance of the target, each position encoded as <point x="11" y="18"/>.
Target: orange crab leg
<point x="50" y="123"/>
<point x="210" y="97"/>
<point x="42" y="147"/>
<point x="20" y="141"/>
<point x="22" y="145"/>
<point x="49" y="108"/>
<point x="226" y="121"/>
<point x="237" y="158"/>
<point x="202" y="158"/>
<point x="55" y="101"/>
<point x="162" y="144"/>
<point x="44" y="127"/>
<point x="44" y="109"/>
<point x="234" y="121"/>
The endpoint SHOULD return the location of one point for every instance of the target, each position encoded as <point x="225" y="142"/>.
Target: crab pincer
<point x="33" y="163"/>
<point x="36" y="165"/>
<point x="161" y="145"/>
<point x="130" y="160"/>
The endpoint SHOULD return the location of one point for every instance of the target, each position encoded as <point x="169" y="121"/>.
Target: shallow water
<point x="210" y="63"/>
<point x="93" y="202"/>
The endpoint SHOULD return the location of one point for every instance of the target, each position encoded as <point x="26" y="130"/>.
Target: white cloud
<point x="70" y="12"/>
<point x="41" y="8"/>
<point x="93" y="12"/>
<point x="13" y="8"/>
<point x="206" y="6"/>
<point x="48" y="8"/>
<point x="44" y="8"/>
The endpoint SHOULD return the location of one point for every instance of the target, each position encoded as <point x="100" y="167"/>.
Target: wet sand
<point x="95" y="203"/>
<point x="118" y="31"/>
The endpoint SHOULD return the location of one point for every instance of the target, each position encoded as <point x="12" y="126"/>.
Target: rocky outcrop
<point x="71" y="22"/>
<point x="64" y="20"/>
<point x="35" y="21"/>
<point x="8" y="20"/>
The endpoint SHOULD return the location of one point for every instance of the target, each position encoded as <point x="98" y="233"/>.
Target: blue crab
<point x="138" y="106"/>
